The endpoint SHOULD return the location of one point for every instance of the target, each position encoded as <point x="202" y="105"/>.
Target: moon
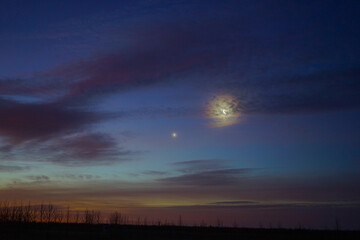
<point x="224" y="110"/>
<point x="174" y="135"/>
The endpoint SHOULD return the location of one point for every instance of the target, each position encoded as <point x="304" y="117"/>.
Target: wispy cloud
<point x="231" y="203"/>
<point x="154" y="173"/>
<point x="13" y="168"/>
<point x="80" y="177"/>
<point x="209" y="178"/>
<point x="86" y="149"/>
<point x="192" y="166"/>
<point x="39" y="178"/>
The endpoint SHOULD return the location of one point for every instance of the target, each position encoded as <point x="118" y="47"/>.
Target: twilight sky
<point x="264" y="97"/>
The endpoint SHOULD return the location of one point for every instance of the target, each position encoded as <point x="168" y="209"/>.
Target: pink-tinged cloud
<point x="86" y="149"/>
<point x="232" y="59"/>
<point x="157" y="57"/>
<point x="57" y="134"/>
<point x="158" y="53"/>
<point x="22" y="122"/>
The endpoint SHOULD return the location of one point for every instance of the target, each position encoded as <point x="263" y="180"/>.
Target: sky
<point x="245" y="111"/>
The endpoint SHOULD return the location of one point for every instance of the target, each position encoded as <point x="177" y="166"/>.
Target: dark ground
<point x="13" y="231"/>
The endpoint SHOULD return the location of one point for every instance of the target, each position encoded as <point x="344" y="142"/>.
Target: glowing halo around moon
<point x="224" y="110"/>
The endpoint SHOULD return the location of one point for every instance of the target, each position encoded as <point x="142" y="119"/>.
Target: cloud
<point x="289" y="70"/>
<point x="200" y="165"/>
<point x="231" y="203"/>
<point x="58" y="133"/>
<point x="5" y="148"/>
<point x="22" y="122"/>
<point x="202" y="192"/>
<point x="13" y="168"/>
<point x="65" y="92"/>
<point x="39" y="178"/>
<point x="268" y="73"/>
<point x="217" y="57"/>
<point x="157" y="53"/>
<point x="209" y="178"/>
<point x="85" y="149"/>
<point x="214" y="162"/>
<point x="170" y="112"/>
<point x="78" y="176"/>
<point x="255" y="191"/>
<point x="155" y="173"/>
<point x="275" y="205"/>
<point x="316" y="92"/>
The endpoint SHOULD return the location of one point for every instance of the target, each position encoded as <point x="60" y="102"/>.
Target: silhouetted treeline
<point x="49" y="213"/>
<point x="48" y="221"/>
<point x="45" y="213"/>
<point x="12" y="212"/>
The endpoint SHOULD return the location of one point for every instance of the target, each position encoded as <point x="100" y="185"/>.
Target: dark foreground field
<point x="39" y="231"/>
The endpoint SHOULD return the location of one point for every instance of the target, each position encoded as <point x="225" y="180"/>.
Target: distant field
<point x="54" y="231"/>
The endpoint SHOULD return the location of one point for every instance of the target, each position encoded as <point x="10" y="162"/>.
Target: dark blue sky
<point x="263" y="95"/>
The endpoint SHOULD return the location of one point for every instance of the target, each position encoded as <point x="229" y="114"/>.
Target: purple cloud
<point x="86" y="149"/>
<point x="22" y="122"/>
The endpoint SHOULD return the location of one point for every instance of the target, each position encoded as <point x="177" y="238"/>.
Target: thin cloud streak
<point x="254" y="190"/>
<point x="13" y="168"/>
<point x="208" y="178"/>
